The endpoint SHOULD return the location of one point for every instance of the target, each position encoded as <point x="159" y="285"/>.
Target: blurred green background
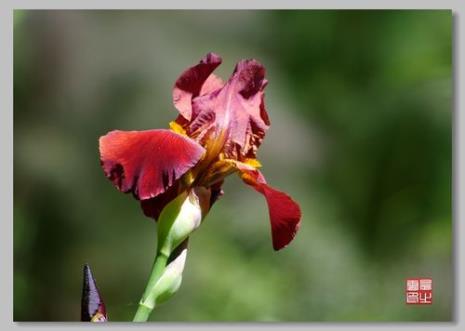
<point x="361" y="110"/>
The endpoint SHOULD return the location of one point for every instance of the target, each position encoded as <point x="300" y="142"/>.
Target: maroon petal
<point x="147" y="163"/>
<point x="153" y="207"/>
<point x="284" y="212"/>
<point x="195" y="81"/>
<point x="234" y="117"/>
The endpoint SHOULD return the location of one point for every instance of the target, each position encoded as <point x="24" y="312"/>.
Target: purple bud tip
<point x="92" y="305"/>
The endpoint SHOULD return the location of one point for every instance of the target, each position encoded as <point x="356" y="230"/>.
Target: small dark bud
<point x="92" y="305"/>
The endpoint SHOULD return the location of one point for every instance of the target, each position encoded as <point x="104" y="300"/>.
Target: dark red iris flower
<point x="218" y="131"/>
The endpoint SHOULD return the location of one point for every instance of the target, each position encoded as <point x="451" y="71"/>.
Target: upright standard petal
<point x="196" y="81"/>
<point x="147" y="163"/>
<point x="284" y="212"/>
<point x="232" y="119"/>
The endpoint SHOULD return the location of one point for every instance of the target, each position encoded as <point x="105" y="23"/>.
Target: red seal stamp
<point x="419" y="291"/>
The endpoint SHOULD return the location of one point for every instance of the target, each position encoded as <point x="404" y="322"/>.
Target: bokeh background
<point x="361" y="110"/>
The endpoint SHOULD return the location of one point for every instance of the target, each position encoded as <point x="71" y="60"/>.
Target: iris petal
<point x="147" y="163"/>
<point x="233" y="116"/>
<point x="229" y="117"/>
<point x="152" y="207"/>
<point x="284" y="212"/>
<point x="196" y="81"/>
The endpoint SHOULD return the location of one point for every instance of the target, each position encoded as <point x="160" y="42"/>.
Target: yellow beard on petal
<point x="215" y="164"/>
<point x="218" y="171"/>
<point x="175" y="127"/>
<point x="213" y="144"/>
<point x="253" y="163"/>
<point x="248" y="179"/>
<point x="225" y="167"/>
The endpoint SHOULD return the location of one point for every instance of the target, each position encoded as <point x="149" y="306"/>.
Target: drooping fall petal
<point x="284" y="212"/>
<point x="147" y="163"/>
<point x="152" y="207"/>
<point x="92" y="305"/>
<point x="196" y="81"/>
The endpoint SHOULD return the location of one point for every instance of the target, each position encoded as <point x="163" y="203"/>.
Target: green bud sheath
<point x="178" y="220"/>
<point x="170" y="280"/>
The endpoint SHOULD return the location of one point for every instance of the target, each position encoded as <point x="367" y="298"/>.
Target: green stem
<point x="145" y="307"/>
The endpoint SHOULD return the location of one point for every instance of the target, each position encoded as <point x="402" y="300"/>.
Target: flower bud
<point x="92" y="305"/>
<point x="170" y="280"/>
<point x="181" y="217"/>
